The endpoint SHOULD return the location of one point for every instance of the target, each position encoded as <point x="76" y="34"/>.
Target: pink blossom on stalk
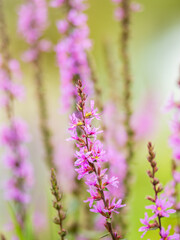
<point x="119" y="14"/>
<point x="56" y="3"/>
<point x="176" y="176"/>
<point x="165" y="235"/>
<point x="136" y="7"/>
<point x="169" y="191"/>
<point x="146" y="222"/>
<point x="7" y="85"/>
<point x="71" y="50"/>
<point x="39" y="221"/>
<point x="32" y="22"/>
<point x="90" y="167"/>
<point x="119" y="11"/>
<point x="14" y="138"/>
<point x="161" y="208"/>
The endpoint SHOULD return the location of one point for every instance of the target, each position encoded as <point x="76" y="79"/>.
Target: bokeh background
<point x="155" y="60"/>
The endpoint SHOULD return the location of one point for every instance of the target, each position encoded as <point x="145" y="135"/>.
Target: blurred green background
<point x="155" y="60"/>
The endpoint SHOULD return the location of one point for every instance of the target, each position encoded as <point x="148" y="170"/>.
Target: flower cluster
<point x="120" y="12"/>
<point x="89" y="159"/>
<point x="72" y="49"/>
<point x="7" y="86"/>
<point x="14" y="136"/>
<point x="161" y="207"/>
<point x="174" y="141"/>
<point x="32" y="22"/>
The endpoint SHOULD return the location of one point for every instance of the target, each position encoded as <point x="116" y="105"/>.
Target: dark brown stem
<point x="125" y="23"/>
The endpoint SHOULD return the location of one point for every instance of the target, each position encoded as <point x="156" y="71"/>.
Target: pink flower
<point x="176" y="176"/>
<point x="39" y="221"/>
<point x="30" y="55"/>
<point x="146" y="222"/>
<point x="119" y="14"/>
<point x="89" y="158"/>
<point x="116" y="1"/>
<point x="56" y="3"/>
<point x="32" y="20"/>
<point x="136" y="7"/>
<point x="71" y="51"/>
<point x="161" y="208"/>
<point x="62" y="26"/>
<point x="165" y="235"/>
<point x="45" y="45"/>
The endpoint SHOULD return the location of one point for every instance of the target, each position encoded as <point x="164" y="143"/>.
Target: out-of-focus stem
<point x="126" y="98"/>
<point x="43" y="115"/>
<point x="4" y="50"/>
<point x="2" y="237"/>
<point x="94" y="78"/>
<point x="125" y="23"/>
<point x="111" y="66"/>
<point x="97" y="91"/>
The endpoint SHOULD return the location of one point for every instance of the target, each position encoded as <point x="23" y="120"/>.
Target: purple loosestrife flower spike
<point x="161" y="207"/>
<point x="57" y="205"/>
<point x="32" y="23"/>
<point x="89" y="159"/>
<point x="14" y="136"/>
<point x="165" y="235"/>
<point x="174" y="141"/>
<point x="71" y="51"/>
<point x="72" y="60"/>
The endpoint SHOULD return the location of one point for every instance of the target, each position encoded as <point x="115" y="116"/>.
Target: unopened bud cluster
<point x="57" y="205"/>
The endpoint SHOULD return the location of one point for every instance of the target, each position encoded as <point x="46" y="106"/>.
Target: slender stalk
<point x="57" y="205"/>
<point x="125" y="35"/>
<point x="94" y="78"/>
<point x="43" y="113"/>
<point x="112" y="68"/>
